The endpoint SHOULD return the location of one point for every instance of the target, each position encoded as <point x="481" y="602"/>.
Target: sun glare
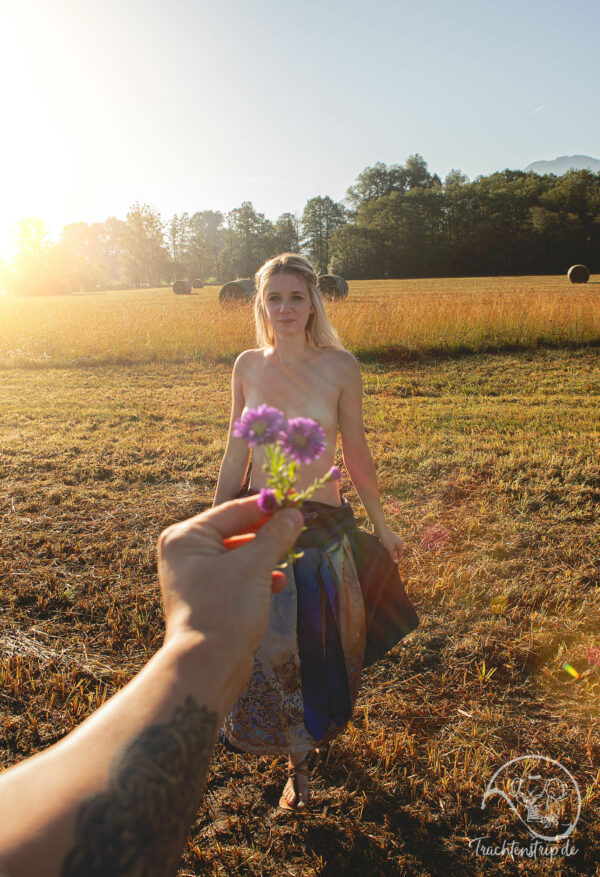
<point x="36" y="158"/>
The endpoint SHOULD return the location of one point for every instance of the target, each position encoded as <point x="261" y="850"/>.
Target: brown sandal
<point x="293" y="771"/>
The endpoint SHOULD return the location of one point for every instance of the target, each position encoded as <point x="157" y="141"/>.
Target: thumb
<point x="274" y="538"/>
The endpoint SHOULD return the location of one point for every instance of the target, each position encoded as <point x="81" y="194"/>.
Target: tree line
<point x="396" y="221"/>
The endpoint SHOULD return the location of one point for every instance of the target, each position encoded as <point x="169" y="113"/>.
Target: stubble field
<point x="485" y="433"/>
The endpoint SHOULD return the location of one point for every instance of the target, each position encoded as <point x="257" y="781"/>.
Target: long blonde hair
<point x="319" y="331"/>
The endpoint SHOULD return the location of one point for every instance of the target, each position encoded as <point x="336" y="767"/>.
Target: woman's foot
<point x="296" y="792"/>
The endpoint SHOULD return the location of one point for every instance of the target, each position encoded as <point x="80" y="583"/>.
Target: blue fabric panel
<point x="325" y="686"/>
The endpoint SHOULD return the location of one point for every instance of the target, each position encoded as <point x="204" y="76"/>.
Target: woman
<point x="307" y="668"/>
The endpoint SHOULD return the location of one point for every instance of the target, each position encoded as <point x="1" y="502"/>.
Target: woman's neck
<point x="289" y="351"/>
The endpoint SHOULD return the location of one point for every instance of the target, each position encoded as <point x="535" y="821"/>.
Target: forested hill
<point x="396" y="221"/>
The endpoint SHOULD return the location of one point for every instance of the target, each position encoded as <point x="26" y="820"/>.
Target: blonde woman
<point x="308" y="666"/>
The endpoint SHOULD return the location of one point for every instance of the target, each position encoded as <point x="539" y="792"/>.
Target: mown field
<point x="485" y="432"/>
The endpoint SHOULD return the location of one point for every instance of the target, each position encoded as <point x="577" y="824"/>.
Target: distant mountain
<point x="563" y="164"/>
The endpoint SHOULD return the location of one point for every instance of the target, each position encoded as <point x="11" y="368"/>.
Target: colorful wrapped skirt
<point x="307" y="668"/>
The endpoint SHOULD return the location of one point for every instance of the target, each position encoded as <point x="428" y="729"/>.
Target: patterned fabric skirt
<point x="307" y="668"/>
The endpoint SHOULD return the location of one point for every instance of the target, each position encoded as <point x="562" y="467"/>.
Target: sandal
<point x="300" y="769"/>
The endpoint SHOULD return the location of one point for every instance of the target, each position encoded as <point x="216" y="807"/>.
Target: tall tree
<point x="249" y="240"/>
<point x="455" y="177"/>
<point x="377" y="181"/>
<point x="358" y="252"/>
<point x="94" y="261"/>
<point x="143" y="246"/>
<point x="111" y="233"/>
<point x="179" y="237"/>
<point x="286" y="235"/>
<point x="39" y="267"/>
<point x="30" y="237"/>
<point x="207" y="243"/>
<point x="417" y="173"/>
<point x="321" y="217"/>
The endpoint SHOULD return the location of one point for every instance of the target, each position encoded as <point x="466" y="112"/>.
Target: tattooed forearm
<point x="139" y="825"/>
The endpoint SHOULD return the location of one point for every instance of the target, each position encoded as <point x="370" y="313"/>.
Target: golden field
<point x="382" y="318"/>
<point x="482" y="400"/>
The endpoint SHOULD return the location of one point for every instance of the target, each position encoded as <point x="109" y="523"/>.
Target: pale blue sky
<point x="191" y="105"/>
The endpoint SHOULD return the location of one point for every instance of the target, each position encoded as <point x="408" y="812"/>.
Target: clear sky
<point x="194" y="105"/>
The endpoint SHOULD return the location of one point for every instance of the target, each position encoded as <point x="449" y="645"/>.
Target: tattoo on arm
<point x="139" y="825"/>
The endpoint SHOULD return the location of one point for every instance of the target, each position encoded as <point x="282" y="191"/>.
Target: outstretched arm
<point x="116" y="797"/>
<point x="358" y="459"/>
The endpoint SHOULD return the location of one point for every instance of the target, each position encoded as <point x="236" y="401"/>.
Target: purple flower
<point x="259" y="426"/>
<point x="335" y="473"/>
<point x="266" y="501"/>
<point x="303" y="439"/>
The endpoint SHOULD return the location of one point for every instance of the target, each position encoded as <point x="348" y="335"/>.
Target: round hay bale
<point x="333" y="287"/>
<point x="578" y="274"/>
<point x="198" y="284"/>
<point x="182" y="287"/>
<point x="237" y="291"/>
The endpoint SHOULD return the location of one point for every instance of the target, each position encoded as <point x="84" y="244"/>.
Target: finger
<point x="278" y="581"/>
<point x="274" y="539"/>
<point x="253" y="528"/>
<point x="396" y="555"/>
<point x="237" y="541"/>
<point x="232" y="517"/>
<point x="249" y="532"/>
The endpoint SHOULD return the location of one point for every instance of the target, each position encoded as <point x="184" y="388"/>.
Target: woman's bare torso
<point x="309" y="388"/>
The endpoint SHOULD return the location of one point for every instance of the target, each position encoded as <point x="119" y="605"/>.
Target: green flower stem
<point x="318" y="482"/>
<point x="281" y="474"/>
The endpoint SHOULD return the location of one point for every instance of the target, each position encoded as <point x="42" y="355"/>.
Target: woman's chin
<point x="288" y="329"/>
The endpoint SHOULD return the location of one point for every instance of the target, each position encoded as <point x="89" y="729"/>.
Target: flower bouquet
<point x="287" y="444"/>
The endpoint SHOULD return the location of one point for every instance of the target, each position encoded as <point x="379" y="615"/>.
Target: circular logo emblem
<point x="541" y="793"/>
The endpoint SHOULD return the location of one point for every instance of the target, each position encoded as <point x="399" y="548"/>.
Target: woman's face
<point x="287" y="303"/>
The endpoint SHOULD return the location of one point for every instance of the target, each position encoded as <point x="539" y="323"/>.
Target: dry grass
<point x="489" y="469"/>
<point x="459" y="316"/>
<point x="381" y="319"/>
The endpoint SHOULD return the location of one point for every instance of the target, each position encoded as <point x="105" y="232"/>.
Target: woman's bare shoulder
<point x="340" y="360"/>
<point x="248" y="357"/>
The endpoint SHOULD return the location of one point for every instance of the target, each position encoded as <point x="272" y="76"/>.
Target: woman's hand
<point x="392" y="543"/>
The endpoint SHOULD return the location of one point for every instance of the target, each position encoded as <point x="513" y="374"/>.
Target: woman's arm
<point x="235" y="460"/>
<point x="357" y="456"/>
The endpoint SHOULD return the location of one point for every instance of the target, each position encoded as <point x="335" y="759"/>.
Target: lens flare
<point x="570" y="670"/>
